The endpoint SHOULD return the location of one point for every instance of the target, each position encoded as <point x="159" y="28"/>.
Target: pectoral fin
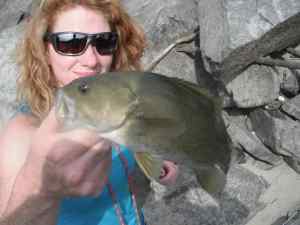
<point x="151" y="165"/>
<point x="211" y="178"/>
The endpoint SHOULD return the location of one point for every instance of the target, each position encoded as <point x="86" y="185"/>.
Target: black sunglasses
<point x="75" y="43"/>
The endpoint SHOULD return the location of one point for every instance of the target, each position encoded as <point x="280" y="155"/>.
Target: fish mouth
<point x="67" y="115"/>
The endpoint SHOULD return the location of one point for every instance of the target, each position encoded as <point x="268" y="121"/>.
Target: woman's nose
<point x="90" y="57"/>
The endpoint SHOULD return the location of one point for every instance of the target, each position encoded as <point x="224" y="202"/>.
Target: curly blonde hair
<point x="37" y="84"/>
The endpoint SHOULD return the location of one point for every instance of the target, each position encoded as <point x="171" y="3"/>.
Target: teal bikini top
<point x="116" y="204"/>
<point x="115" y="199"/>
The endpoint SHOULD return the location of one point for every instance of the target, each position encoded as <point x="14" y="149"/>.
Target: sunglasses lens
<point x="106" y="43"/>
<point x="70" y="43"/>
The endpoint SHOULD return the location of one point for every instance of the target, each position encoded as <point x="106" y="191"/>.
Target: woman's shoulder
<point x="17" y="130"/>
<point x="21" y="123"/>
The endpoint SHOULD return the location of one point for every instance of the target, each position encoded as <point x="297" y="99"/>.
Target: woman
<point x="53" y="177"/>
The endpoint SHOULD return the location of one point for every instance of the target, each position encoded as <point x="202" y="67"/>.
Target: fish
<point x="157" y="117"/>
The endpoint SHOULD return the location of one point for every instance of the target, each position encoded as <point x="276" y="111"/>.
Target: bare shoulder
<point x="20" y="123"/>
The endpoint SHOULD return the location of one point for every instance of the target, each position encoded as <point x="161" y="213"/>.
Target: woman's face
<point x="68" y="68"/>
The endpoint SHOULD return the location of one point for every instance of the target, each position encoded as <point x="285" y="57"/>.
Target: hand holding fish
<point x="169" y="173"/>
<point x="74" y="163"/>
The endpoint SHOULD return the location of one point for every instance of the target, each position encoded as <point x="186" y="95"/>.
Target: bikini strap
<point x="132" y="189"/>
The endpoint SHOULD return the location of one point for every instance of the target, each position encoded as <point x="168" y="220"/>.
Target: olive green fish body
<point x="152" y="113"/>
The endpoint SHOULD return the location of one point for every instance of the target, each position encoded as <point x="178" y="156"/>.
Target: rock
<point x="184" y="203"/>
<point x="173" y="67"/>
<point x="163" y="21"/>
<point x="248" y="21"/>
<point x="286" y="8"/>
<point x="256" y="86"/>
<point x="280" y="198"/>
<point x="8" y="71"/>
<point x="11" y="11"/>
<point x="173" y="18"/>
<point x="289" y="82"/>
<point x="187" y="203"/>
<point x="292" y="107"/>
<point x="249" y="142"/>
<point x="280" y="133"/>
<point x="214" y="37"/>
<point x="293" y="218"/>
<point x="240" y="198"/>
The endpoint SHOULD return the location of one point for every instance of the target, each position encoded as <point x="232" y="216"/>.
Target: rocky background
<point x="263" y="185"/>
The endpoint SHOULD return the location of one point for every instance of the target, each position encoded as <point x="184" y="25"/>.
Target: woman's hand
<point x="73" y="163"/>
<point x="169" y="173"/>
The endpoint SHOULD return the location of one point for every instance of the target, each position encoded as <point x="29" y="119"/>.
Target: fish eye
<point x="83" y="87"/>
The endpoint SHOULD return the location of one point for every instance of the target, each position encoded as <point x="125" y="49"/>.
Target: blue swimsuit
<point x="114" y="202"/>
<point x="101" y="210"/>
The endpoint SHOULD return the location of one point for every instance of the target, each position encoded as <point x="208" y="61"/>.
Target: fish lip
<point x="66" y="114"/>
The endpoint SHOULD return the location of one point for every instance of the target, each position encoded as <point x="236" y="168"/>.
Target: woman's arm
<point x="19" y="204"/>
<point x="55" y="165"/>
<point x="25" y="207"/>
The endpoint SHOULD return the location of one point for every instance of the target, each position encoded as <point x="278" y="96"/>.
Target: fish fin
<point x="198" y="90"/>
<point x="211" y="178"/>
<point x="151" y="165"/>
<point x="192" y="87"/>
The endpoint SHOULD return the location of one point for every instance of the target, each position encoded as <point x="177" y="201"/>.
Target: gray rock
<point x="292" y="107"/>
<point x="245" y="24"/>
<point x="173" y="67"/>
<point x="164" y="22"/>
<point x="279" y="199"/>
<point x="214" y="37"/>
<point x="248" y="20"/>
<point x="184" y="203"/>
<point x="256" y="86"/>
<point x="286" y="8"/>
<point x="8" y="70"/>
<point x="249" y="142"/>
<point x="289" y="82"/>
<point x="277" y="131"/>
<point x="293" y="218"/>
<point x="241" y="196"/>
<point x="11" y="11"/>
